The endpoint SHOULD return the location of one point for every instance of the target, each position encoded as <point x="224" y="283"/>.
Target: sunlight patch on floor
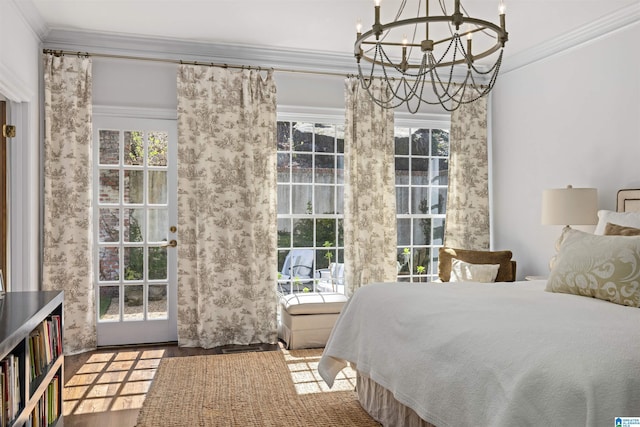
<point x="303" y="368"/>
<point x="111" y="381"/>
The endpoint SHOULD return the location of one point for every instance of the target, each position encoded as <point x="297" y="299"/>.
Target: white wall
<point x="19" y="83"/>
<point x="573" y="118"/>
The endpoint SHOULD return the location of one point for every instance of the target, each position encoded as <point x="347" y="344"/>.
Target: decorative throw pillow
<point x="466" y="272"/>
<point x="626" y="219"/>
<point x="619" y="230"/>
<point x="603" y="267"/>
<point x="446" y="256"/>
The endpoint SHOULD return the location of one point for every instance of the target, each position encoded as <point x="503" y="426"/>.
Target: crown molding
<point x="32" y="17"/>
<point x="288" y="59"/>
<point x="13" y="87"/>
<point x="608" y="24"/>
<point x="176" y="50"/>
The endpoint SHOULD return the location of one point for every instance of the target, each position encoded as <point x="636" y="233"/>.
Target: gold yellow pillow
<point x="620" y="230"/>
<point x="446" y="255"/>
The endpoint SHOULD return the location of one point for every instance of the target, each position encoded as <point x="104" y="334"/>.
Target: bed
<point x="504" y="354"/>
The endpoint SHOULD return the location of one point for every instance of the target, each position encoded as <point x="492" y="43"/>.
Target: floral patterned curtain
<point x="227" y="259"/>
<point x="370" y="234"/>
<point x="68" y="247"/>
<point x="467" y="217"/>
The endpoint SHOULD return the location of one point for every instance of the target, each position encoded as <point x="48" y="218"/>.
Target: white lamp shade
<point x="570" y="206"/>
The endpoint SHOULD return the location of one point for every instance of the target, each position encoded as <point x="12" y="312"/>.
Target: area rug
<point x="273" y="388"/>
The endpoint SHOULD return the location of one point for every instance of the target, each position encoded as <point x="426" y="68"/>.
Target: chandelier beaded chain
<point x="453" y="79"/>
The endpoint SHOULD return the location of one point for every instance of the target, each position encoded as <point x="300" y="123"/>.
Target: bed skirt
<point x="383" y="407"/>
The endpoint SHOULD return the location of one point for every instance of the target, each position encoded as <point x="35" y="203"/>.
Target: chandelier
<point x="404" y="54"/>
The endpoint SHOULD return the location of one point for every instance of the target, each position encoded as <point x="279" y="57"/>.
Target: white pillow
<point x="627" y="219"/>
<point x="466" y="272"/>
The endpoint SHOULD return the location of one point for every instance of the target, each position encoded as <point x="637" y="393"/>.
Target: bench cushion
<point x="313" y="303"/>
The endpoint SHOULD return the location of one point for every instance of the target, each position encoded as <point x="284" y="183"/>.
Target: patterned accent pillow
<point x="466" y="272"/>
<point x="620" y="230"/>
<point x="603" y="267"/>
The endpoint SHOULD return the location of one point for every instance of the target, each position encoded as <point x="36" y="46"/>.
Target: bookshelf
<point x="31" y="333"/>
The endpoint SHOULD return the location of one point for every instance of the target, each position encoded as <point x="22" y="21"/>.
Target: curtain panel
<point x="467" y="216"/>
<point x="67" y="225"/>
<point x="227" y="191"/>
<point x="370" y="229"/>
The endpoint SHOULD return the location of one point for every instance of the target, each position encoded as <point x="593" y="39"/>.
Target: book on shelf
<point x="45" y="345"/>
<point x="10" y="378"/>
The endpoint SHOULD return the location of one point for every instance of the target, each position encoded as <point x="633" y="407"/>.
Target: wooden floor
<point x="107" y="387"/>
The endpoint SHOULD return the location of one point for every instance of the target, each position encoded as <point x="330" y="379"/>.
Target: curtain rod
<point x="180" y="61"/>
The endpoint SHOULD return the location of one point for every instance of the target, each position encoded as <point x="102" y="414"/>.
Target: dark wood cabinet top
<point x="21" y="312"/>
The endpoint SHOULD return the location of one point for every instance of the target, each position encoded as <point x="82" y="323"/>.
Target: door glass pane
<point x="133" y="226"/>
<point x="109" y="224"/>
<point x="158" y="225"/>
<point x="133" y="148"/>
<point x="109" y="186"/>
<point x="109" y="147"/>
<point x="109" y="303"/>
<point x="133" y="302"/>
<point x="133" y="264"/>
<point x="157" y="302"/>
<point x="158" y="144"/>
<point x="157" y="263"/>
<point x="157" y="187"/>
<point x="109" y="264"/>
<point x="133" y="186"/>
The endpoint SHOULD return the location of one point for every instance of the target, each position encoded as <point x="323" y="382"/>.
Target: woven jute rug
<point x="273" y="388"/>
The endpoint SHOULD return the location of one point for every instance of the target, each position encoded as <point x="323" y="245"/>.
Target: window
<point x="422" y="166"/>
<point x="310" y="204"/>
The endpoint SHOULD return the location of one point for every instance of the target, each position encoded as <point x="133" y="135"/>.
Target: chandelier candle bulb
<point x="377" y="28"/>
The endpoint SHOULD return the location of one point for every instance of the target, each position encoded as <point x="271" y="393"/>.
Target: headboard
<point x="628" y="201"/>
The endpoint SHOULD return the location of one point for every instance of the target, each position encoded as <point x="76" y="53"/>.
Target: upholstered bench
<point x="306" y="319"/>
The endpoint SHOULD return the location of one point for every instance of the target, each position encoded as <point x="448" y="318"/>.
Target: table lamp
<point x="569" y="206"/>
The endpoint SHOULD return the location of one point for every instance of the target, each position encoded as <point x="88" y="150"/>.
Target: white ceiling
<point x="316" y="25"/>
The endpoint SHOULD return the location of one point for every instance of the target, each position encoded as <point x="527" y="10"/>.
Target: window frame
<point x="319" y="273"/>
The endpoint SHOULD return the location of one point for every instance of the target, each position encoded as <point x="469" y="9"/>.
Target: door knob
<point x="172" y="243"/>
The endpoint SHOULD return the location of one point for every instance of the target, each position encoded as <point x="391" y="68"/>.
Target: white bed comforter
<point x="503" y="354"/>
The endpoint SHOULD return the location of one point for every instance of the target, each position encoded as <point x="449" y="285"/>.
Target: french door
<point x="135" y="223"/>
